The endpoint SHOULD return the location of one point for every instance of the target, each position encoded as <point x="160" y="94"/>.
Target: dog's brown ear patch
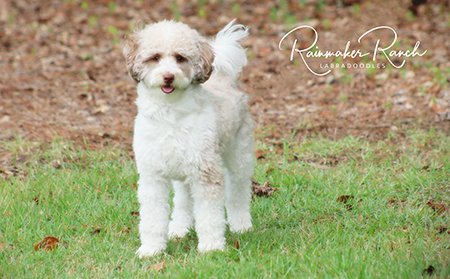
<point x="204" y="67"/>
<point x="131" y="52"/>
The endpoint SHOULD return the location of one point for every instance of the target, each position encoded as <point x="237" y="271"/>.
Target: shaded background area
<point x="62" y="69"/>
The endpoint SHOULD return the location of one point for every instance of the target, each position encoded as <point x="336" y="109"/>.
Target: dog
<point x="193" y="131"/>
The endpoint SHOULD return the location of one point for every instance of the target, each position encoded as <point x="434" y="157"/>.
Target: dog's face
<point x="168" y="56"/>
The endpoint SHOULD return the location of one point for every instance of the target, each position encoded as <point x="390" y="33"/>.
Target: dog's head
<point x="168" y="55"/>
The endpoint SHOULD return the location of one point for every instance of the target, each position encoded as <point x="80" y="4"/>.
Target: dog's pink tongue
<point x="167" y="89"/>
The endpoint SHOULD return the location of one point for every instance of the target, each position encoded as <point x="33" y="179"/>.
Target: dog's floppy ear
<point x="131" y="53"/>
<point x="204" y="67"/>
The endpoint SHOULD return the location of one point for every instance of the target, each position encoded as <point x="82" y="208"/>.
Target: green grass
<point x="299" y="232"/>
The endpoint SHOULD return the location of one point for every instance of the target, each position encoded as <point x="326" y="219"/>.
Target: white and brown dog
<point x="193" y="131"/>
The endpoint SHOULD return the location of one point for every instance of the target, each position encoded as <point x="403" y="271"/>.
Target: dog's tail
<point x="230" y="57"/>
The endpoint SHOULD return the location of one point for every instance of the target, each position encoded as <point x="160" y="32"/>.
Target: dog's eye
<point x="180" y="58"/>
<point x="154" y="58"/>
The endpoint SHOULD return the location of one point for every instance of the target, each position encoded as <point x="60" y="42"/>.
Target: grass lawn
<point x="388" y="225"/>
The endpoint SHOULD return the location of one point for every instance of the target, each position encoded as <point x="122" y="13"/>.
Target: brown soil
<point x="62" y="68"/>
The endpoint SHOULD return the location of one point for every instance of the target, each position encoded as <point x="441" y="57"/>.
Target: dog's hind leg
<point x="240" y="166"/>
<point x="209" y="206"/>
<point x="182" y="218"/>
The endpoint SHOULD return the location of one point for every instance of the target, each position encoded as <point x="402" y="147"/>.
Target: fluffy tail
<point x="230" y="57"/>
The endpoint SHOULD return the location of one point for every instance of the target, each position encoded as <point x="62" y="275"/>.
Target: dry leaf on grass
<point x="439" y="208"/>
<point x="36" y="200"/>
<point x="264" y="190"/>
<point x="259" y="154"/>
<point x="7" y="173"/>
<point x="255" y="183"/>
<point x="429" y="270"/>
<point x="442" y="229"/>
<point x="159" y="266"/>
<point x="134" y="213"/>
<point x="427" y="168"/>
<point x="96" y="231"/>
<point x="346" y="199"/>
<point x="125" y="230"/>
<point x="270" y="170"/>
<point x="49" y="243"/>
<point x="236" y="243"/>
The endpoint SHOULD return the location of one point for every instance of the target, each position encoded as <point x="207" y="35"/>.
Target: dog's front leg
<point x="209" y="201"/>
<point x="153" y="195"/>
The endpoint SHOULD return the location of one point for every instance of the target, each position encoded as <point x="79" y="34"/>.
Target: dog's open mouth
<point x="167" y="89"/>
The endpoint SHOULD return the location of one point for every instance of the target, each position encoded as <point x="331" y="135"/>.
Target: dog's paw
<point x="148" y="251"/>
<point x="177" y="231"/>
<point x="208" y="247"/>
<point x="241" y="225"/>
<point x="241" y="228"/>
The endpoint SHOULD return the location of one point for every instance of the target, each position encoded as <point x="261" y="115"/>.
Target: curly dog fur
<point x="193" y="131"/>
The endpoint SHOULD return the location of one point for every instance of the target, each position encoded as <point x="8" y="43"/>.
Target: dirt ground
<point x="62" y="70"/>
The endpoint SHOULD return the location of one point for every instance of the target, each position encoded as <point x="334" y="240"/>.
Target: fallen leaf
<point x="125" y="230"/>
<point x="96" y="231"/>
<point x="235" y="243"/>
<point x="436" y="107"/>
<point x="345" y="199"/>
<point x="2" y="245"/>
<point x="442" y="229"/>
<point x="255" y="183"/>
<point x="5" y="119"/>
<point x="439" y="208"/>
<point x="135" y="213"/>
<point x="270" y="170"/>
<point x="414" y="8"/>
<point x="264" y="190"/>
<point x="85" y="96"/>
<point x="278" y="143"/>
<point x="429" y="270"/>
<point x="6" y="173"/>
<point x="439" y="167"/>
<point x="102" y="107"/>
<point x="158" y="267"/>
<point x="259" y="154"/>
<point x="350" y="2"/>
<point x="49" y="243"/>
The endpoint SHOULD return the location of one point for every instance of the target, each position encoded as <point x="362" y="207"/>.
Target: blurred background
<point x="62" y="70"/>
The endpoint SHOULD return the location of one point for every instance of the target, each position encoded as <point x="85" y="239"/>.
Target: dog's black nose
<point x="168" y="78"/>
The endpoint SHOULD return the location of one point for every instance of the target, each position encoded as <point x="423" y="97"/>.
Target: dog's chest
<point x="172" y="146"/>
